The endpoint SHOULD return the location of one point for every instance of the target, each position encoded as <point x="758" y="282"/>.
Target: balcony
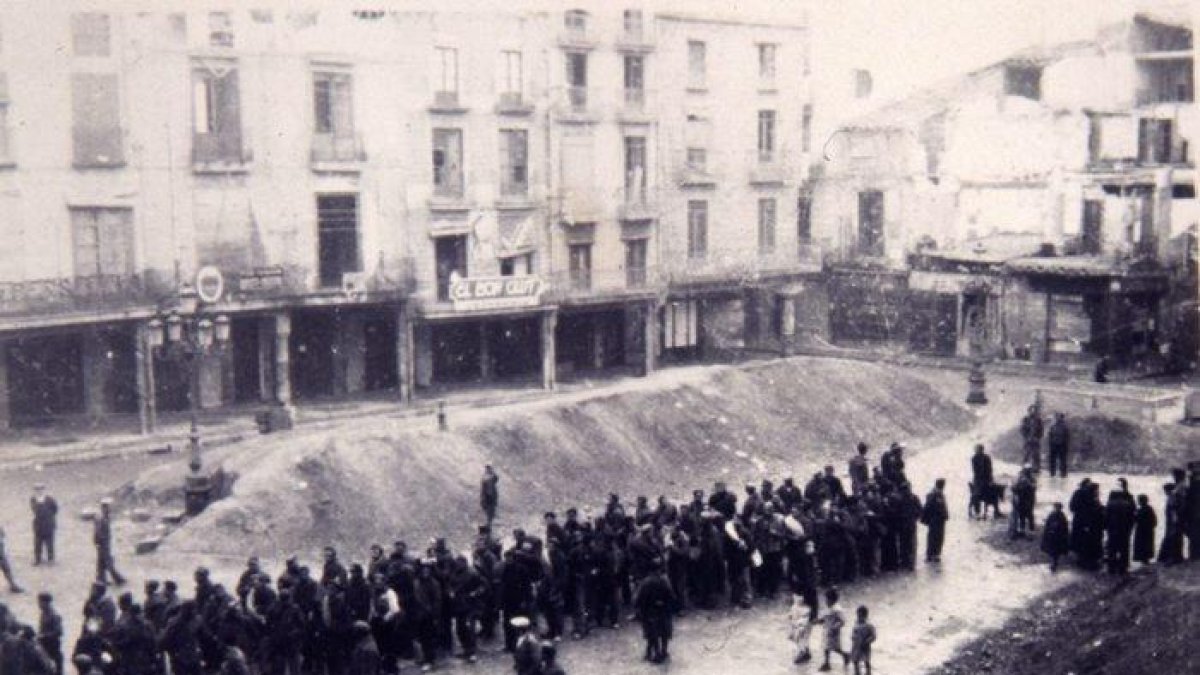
<point x="696" y="175"/>
<point x="447" y="102"/>
<point x="515" y="197"/>
<point x="514" y="104"/>
<point x="768" y="168"/>
<point x="741" y="267"/>
<point x="574" y="104"/>
<point x="92" y="294"/>
<point x="220" y="153"/>
<point x="600" y="285"/>
<point x="635" y="39"/>
<point x="576" y="37"/>
<point x="636" y="106"/>
<point x="337" y="152"/>
<point x="638" y="203"/>
<point x="449" y="194"/>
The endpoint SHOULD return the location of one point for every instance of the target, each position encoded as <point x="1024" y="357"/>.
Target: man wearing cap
<point x="489" y="493"/>
<point x="1032" y="429"/>
<point x="655" y="605"/>
<point x="102" y="538"/>
<point x="45" y="518"/>
<point x="860" y="469"/>
<point x="934" y="516"/>
<point x="50" y="630"/>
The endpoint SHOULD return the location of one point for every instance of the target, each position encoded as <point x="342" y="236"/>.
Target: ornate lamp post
<point x="189" y="341"/>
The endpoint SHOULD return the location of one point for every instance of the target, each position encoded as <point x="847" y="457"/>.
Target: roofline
<point x="694" y="18"/>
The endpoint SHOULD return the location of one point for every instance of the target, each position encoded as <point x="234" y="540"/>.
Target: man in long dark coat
<point x="1058" y="439"/>
<point x="45" y="522"/>
<point x="934" y="515"/>
<point x="1120" y="516"/>
<point x="655" y="603"/>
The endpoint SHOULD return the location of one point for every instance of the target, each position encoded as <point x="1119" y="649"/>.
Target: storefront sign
<point x="486" y="293"/>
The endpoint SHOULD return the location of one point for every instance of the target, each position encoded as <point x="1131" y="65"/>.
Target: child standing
<point x="1143" y="534"/>
<point x="861" y="639"/>
<point x="1056" y="536"/>
<point x="834" y="622"/>
<point x="801" y="618"/>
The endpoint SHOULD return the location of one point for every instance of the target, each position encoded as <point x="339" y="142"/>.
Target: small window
<point x="514" y="162"/>
<point x="448" y="162"/>
<point x="91" y="34"/>
<point x="103" y="241"/>
<point x="697" y="64"/>
<point x="863" y="83"/>
<point x="512" y="76"/>
<point x="450" y="258"/>
<point x="766" y="63"/>
<point x="697" y="228"/>
<point x="5" y="152"/>
<point x="633" y="23"/>
<point x="517" y="265"/>
<point x="806" y="118"/>
<point x="337" y="237"/>
<point x="697" y="159"/>
<point x="1024" y="81"/>
<point x="766" y="225"/>
<point x="870" y="223"/>
<point x="332" y="110"/>
<point x="446" y="70"/>
<point x="216" y="112"/>
<point x="220" y="29"/>
<point x="575" y="20"/>
<point x="635" y="168"/>
<point x="579" y="261"/>
<point x="804" y="219"/>
<point x="96" y="120"/>
<point x="635" y="263"/>
<point x="766" y="135"/>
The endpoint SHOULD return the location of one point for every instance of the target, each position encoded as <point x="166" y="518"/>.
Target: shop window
<point x="681" y="325"/>
<point x="337" y="237"/>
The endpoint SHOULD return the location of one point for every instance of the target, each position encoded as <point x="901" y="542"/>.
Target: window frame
<point x="510" y="185"/>
<point x="767" y="129"/>
<point x="768" y="218"/>
<point x="441" y="186"/>
<point x="697" y="224"/>
<point x="697" y="55"/>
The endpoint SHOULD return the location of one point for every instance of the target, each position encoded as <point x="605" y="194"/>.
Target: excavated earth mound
<point x="381" y="479"/>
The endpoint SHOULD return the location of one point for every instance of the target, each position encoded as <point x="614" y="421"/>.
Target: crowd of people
<point x="646" y="561"/>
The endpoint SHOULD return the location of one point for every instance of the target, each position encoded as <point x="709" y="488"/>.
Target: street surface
<point x="921" y="617"/>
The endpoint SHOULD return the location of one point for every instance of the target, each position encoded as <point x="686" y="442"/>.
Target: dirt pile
<point x="1146" y="623"/>
<point x="1116" y="445"/>
<point x="382" y="479"/>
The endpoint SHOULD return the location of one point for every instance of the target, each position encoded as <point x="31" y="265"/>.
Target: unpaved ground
<point x="922" y="617"/>
<point x="1114" y="444"/>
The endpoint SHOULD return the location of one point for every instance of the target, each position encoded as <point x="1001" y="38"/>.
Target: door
<point x="1093" y="224"/>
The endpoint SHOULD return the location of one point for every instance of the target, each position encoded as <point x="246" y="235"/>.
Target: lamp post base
<point x="977" y="394"/>
<point x="197" y="492"/>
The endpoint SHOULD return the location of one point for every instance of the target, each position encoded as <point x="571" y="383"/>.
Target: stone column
<point x="94" y="367"/>
<point x="283" y="375"/>
<point x="549" y="376"/>
<point x="404" y="354"/>
<point x="485" y="353"/>
<point x="266" y="347"/>
<point x="650" y="325"/>
<point x="144" y="377"/>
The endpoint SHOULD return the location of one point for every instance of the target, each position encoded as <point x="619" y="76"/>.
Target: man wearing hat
<point x="527" y="654"/>
<point x="102" y="538"/>
<point x="45" y="520"/>
<point x="50" y="630"/>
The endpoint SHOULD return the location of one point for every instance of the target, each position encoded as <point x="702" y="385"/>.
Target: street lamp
<point x="188" y="341"/>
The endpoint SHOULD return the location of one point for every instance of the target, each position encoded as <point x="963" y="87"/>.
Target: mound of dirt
<point x="1115" y="445"/>
<point x="380" y="479"/>
<point x="1146" y="623"/>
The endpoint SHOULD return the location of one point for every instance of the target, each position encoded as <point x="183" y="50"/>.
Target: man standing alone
<point x="102" y="538"/>
<point x="935" y="515"/>
<point x="1058" y="438"/>
<point x="1032" y="429"/>
<point x="489" y="493"/>
<point x="45" y="521"/>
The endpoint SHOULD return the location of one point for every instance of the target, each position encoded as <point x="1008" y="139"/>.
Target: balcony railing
<point x="513" y="103"/>
<point x="638" y="202"/>
<point x="769" y="167"/>
<point x="635" y="38"/>
<point x="741" y="267"/>
<point x="576" y="37"/>
<point x="220" y="148"/>
<point x="337" y="147"/>
<point x="565" y="285"/>
<point x="447" y="102"/>
<point x="112" y="291"/>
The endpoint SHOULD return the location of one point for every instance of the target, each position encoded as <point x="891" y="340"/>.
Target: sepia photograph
<point x="708" y="337"/>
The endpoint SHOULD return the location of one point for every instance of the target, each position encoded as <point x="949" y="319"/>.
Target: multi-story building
<point x="384" y="200"/>
<point x="1022" y="209"/>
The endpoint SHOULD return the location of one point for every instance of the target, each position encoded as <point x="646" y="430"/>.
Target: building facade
<point x="1022" y="210"/>
<point x="391" y="201"/>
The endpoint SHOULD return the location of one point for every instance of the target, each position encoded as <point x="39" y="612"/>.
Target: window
<point x="91" y="34"/>
<point x="96" y="123"/>
<point x="697" y="160"/>
<point x="804" y="220"/>
<point x="863" y="83"/>
<point x="5" y="151"/>
<point x="635" y="169"/>
<point x="1023" y="81"/>
<point x="514" y="162"/>
<point x="633" y="23"/>
<point x="806" y="118"/>
<point x="697" y="228"/>
<point x="697" y="64"/>
<point x="446" y="71"/>
<point x="517" y="265"/>
<point x="220" y="29"/>
<point x="450" y="256"/>
<point x="217" y="130"/>
<point x="681" y="325"/>
<point x="1155" y="140"/>
<point x="870" y="223"/>
<point x="635" y="263"/>
<point x="448" y="162"/>
<point x="766" y="225"/>
<point x="337" y="237"/>
<point x="766" y="64"/>
<point x="1093" y="226"/>
<point x="766" y="135"/>
<point x="579" y="260"/>
<point x="635" y="80"/>
<point x="577" y="79"/>
<point x="332" y="107"/>
<point x="575" y="21"/>
<point x="103" y="239"/>
<point x="512" y="78"/>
